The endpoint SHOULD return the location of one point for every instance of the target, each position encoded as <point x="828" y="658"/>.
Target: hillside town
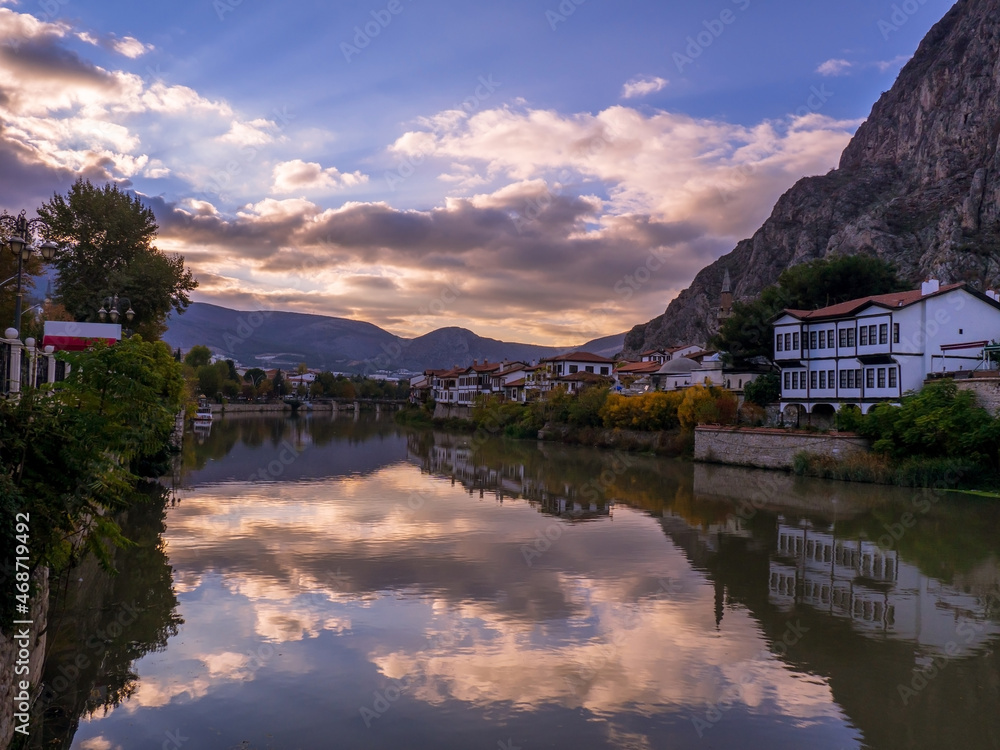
<point x="859" y="353"/>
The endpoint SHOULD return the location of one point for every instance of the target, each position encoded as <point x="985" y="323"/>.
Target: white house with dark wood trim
<point x="874" y="349"/>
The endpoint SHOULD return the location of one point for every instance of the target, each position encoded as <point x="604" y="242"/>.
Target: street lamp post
<point x="21" y="239"/>
<point x="112" y="308"/>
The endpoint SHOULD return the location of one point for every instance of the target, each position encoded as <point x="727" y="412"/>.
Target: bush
<point x="707" y="405"/>
<point x="648" y="412"/>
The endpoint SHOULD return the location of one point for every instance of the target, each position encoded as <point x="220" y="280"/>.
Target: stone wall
<point x="768" y="448"/>
<point x="9" y="654"/>
<point x="446" y="411"/>
<point x="987" y="392"/>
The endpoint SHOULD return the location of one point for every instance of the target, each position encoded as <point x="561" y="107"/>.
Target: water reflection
<point x="394" y="589"/>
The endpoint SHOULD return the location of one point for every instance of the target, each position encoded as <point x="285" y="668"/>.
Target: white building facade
<point x="875" y="349"/>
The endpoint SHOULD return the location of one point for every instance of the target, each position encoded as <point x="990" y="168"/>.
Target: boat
<point x="203" y="415"/>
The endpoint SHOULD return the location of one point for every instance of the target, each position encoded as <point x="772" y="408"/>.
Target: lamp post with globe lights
<point x="20" y="240"/>
<point x="112" y="308"/>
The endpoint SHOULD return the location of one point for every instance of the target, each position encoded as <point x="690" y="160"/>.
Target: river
<point x="340" y="582"/>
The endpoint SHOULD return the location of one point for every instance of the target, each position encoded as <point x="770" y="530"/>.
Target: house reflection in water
<point x="504" y="479"/>
<point x="880" y="594"/>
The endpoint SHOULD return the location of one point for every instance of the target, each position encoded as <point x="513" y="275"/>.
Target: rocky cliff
<point x="919" y="185"/>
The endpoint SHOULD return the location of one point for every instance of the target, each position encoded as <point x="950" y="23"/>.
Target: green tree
<point x="254" y="375"/>
<point x="72" y="457"/>
<point x="109" y="236"/>
<point x="763" y="390"/>
<point x="746" y="334"/>
<point x="199" y="356"/>
<point x="279" y="385"/>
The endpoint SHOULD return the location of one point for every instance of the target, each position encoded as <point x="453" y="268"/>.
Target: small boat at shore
<point x="203" y="415"/>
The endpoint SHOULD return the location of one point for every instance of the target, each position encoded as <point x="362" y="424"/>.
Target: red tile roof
<point x="515" y="384"/>
<point x="580" y="357"/>
<point x="639" y="367"/>
<point x="850" y="307"/>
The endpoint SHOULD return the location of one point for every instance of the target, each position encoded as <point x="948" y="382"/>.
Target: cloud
<point x="298" y="176"/>
<point x="840" y="67"/>
<point x="835" y="67"/>
<point x="643" y="86"/>
<point x="130" y="47"/>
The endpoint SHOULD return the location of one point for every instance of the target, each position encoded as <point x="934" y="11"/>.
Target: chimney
<point x="931" y="286"/>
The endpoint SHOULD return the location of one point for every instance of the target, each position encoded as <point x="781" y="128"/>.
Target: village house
<point x="874" y="349"/>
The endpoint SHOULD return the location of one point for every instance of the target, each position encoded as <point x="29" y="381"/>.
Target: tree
<point x="279" y="384"/>
<point x="746" y="333"/>
<point x="199" y="356"/>
<point x="763" y="390"/>
<point x="110" y="251"/>
<point x="71" y="458"/>
<point x="254" y="375"/>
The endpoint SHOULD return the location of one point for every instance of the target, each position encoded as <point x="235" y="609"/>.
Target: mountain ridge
<point x="283" y="339"/>
<point x="918" y="185"/>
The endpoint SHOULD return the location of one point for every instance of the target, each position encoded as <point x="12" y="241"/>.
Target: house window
<point x="864" y="336"/>
<point x="590" y="368"/>
<point x="795" y="341"/>
<point x="843" y="379"/>
<point x="851" y="337"/>
<point x="857" y="378"/>
<point x="895" y="333"/>
<point x="573" y="369"/>
<point x="812" y="340"/>
<point x="872" y="333"/>
<point x="812" y="379"/>
<point x="881" y="377"/>
<point x="822" y="380"/>
<point x="870" y="377"/>
<point x="741" y="384"/>
<point x="843" y="338"/>
<point x="788" y="381"/>
<point x="893" y="377"/>
<point x="788" y="342"/>
<point x="604" y="371"/>
<point x="830" y="375"/>
<point x="883" y="333"/>
<point x="780" y="343"/>
<point x="822" y="339"/>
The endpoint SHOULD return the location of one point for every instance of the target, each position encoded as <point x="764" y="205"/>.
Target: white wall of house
<point x="880" y="354"/>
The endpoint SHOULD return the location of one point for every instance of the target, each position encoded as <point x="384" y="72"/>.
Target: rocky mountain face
<point x="918" y="185"/>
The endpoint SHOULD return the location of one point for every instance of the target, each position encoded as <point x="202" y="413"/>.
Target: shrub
<point x="763" y="390"/>
<point x="706" y="405"/>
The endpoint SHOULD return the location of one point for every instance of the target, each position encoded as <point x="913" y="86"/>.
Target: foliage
<point x="649" y="411"/>
<point x="763" y="390"/>
<point x="940" y="421"/>
<point x="254" y="375"/>
<point x="71" y="457"/>
<point x="746" y="334"/>
<point x="109" y="236"/>
<point x="199" y="356"/>
<point x="706" y="405"/>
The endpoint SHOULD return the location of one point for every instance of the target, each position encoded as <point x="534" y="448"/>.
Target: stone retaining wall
<point x="770" y="449"/>
<point x="987" y="392"/>
<point x="447" y="411"/>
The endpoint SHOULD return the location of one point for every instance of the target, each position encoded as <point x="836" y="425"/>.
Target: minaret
<point x="726" y="301"/>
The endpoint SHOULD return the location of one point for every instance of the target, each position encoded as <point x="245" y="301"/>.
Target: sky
<point x="545" y="171"/>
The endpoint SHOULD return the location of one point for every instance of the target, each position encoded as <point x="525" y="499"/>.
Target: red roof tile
<point x="580" y="357"/>
<point x="850" y="307"/>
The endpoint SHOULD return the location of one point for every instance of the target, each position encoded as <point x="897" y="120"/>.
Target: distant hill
<point x="283" y="339"/>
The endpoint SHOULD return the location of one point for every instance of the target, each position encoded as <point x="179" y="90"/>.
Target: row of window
<point x="874" y="377"/>
<point x="574" y="369"/>
<point x="873" y="335"/>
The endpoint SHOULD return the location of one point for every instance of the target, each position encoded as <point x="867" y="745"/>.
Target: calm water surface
<point x="340" y="583"/>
